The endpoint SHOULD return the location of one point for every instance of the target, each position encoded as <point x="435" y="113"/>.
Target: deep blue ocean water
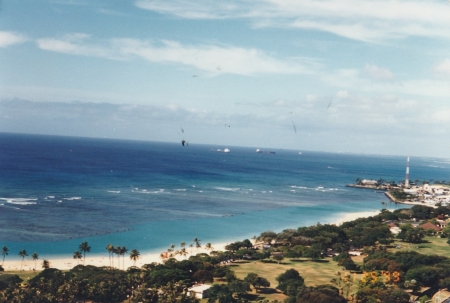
<point x="56" y="192"/>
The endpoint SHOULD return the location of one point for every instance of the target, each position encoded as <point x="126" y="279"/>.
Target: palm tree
<point x="209" y="247"/>
<point x="35" y="257"/>
<point x="22" y="254"/>
<point x="183" y="252"/>
<point x="123" y="251"/>
<point x="162" y="256"/>
<point x="5" y="251"/>
<point x="116" y="250"/>
<point x="183" y="244"/>
<point x="77" y="255"/>
<point x="170" y="250"/>
<point x="197" y="243"/>
<point x="84" y="248"/>
<point x="46" y="264"/>
<point x="110" y="249"/>
<point x="134" y="255"/>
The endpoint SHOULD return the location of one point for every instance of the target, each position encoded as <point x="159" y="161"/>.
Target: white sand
<point x="100" y="260"/>
<point x="145" y="258"/>
<point x="353" y="216"/>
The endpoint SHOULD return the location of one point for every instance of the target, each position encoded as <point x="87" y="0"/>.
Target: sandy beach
<point x="145" y="258"/>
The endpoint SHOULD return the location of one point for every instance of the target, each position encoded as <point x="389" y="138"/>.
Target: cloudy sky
<point x="360" y="76"/>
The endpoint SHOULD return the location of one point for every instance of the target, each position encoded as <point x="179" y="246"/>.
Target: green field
<point x="435" y="246"/>
<point x="314" y="273"/>
<point x="321" y="273"/>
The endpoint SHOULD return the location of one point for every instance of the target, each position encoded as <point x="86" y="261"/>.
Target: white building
<point x="200" y="291"/>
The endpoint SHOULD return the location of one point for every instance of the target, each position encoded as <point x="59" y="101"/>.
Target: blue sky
<point x="360" y="76"/>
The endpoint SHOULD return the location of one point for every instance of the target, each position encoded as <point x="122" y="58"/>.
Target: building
<point x="368" y="182"/>
<point x="429" y="225"/>
<point x="200" y="291"/>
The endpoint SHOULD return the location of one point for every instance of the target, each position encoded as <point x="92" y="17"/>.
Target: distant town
<point x="431" y="193"/>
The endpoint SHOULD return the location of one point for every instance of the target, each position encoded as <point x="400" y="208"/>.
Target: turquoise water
<point x="57" y="192"/>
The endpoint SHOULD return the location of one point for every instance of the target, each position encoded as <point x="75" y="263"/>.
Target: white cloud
<point x="342" y="94"/>
<point x="214" y="59"/>
<point x="75" y="44"/>
<point x="10" y="38"/>
<point x="363" y="20"/>
<point x="378" y="73"/>
<point x="443" y="67"/>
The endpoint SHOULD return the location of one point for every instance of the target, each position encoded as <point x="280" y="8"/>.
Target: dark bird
<point x="183" y="142"/>
<point x="295" y="129"/>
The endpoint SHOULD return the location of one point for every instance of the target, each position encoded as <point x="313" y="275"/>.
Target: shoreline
<point x="392" y="198"/>
<point x="146" y="257"/>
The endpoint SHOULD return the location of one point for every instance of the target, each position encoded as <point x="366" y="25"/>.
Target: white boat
<point x="226" y="150"/>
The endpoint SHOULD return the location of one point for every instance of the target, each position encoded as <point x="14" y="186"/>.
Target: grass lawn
<point x="24" y="275"/>
<point x="436" y="246"/>
<point x="314" y="273"/>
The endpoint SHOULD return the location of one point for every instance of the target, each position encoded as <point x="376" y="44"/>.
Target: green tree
<point x="209" y="246"/>
<point x="197" y="243"/>
<point x="314" y="252"/>
<point x="84" y="248"/>
<point x="239" y="287"/>
<point x="261" y="282"/>
<point x="411" y="234"/>
<point x="204" y="276"/>
<point x="23" y="253"/>
<point x="320" y="294"/>
<point x="77" y="255"/>
<point x="183" y="252"/>
<point x="171" y="250"/>
<point x="110" y="249"/>
<point x="134" y="255"/>
<point x="5" y="251"/>
<point x="116" y="250"/>
<point x="251" y="278"/>
<point x="278" y="258"/>
<point x="45" y="264"/>
<point x="34" y="257"/>
<point x="268" y="236"/>
<point x="290" y="282"/>
<point x="425" y="275"/>
<point x="123" y="250"/>
<point x="220" y="293"/>
<point x="445" y="283"/>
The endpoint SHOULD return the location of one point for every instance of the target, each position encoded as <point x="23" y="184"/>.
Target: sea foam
<point x="20" y="201"/>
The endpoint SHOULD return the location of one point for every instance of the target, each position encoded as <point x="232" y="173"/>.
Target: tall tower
<point x="407" y="173"/>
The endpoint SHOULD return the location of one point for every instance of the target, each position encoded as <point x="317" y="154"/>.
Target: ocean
<point x="56" y="192"/>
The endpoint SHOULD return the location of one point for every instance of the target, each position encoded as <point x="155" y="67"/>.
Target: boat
<point x="264" y="152"/>
<point x="226" y="150"/>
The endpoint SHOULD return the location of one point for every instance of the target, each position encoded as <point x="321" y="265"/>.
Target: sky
<point x="357" y="76"/>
